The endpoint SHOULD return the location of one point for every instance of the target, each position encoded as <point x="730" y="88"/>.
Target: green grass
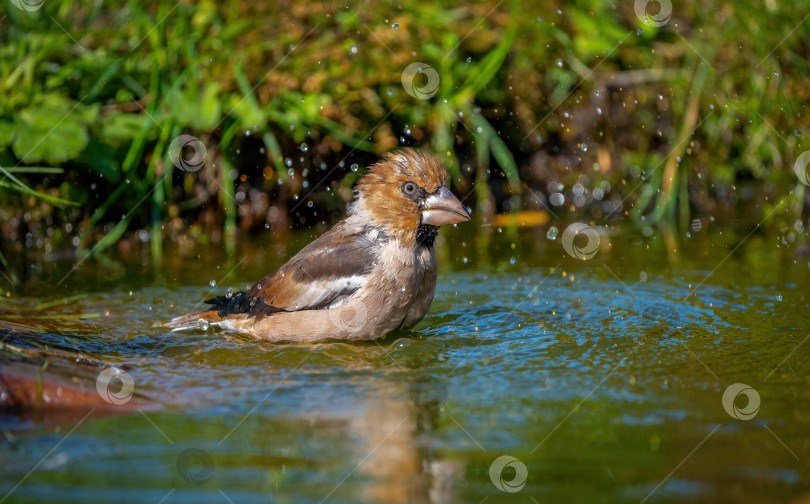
<point x="690" y="112"/>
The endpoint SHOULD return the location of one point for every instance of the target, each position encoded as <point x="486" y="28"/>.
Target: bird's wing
<point x="323" y="274"/>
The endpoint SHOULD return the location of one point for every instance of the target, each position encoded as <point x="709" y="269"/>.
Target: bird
<point x="371" y="274"/>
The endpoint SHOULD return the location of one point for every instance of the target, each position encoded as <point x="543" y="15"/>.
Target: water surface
<point x="604" y="378"/>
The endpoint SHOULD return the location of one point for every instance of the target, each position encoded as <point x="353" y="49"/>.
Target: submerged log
<point x="55" y="386"/>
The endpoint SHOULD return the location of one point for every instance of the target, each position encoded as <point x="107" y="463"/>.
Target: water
<point x="604" y="378"/>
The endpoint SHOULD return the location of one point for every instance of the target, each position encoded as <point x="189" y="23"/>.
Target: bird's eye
<point x="409" y="188"/>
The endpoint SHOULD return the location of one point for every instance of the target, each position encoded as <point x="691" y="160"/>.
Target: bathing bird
<point x="373" y="273"/>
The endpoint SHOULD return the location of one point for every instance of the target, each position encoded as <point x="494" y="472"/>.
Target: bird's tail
<point x="197" y="320"/>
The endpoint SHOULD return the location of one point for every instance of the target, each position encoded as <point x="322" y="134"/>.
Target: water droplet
<point x="304" y="147"/>
<point x="407" y="130"/>
<point x="552" y="233"/>
<point x="559" y="63"/>
<point x="583" y="147"/>
<point x="778" y="296"/>
<point x="556" y="199"/>
<point x="310" y="204"/>
<point x="469" y="59"/>
<point x="355" y="167"/>
<point x="395" y="26"/>
<point x="203" y="324"/>
<point x="512" y="260"/>
<point x="212" y="283"/>
<point x="288" y="162"/>
<point x="402" y="288"/>
<point x="229" y="293"/>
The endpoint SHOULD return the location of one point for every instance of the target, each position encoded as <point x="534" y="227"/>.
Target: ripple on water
<point x="622" y="378"/>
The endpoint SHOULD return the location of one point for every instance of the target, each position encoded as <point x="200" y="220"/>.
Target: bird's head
<point x="407" y="190"/>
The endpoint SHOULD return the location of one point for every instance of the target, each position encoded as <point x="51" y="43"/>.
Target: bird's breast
<point x="406" y="267"/>
<point x="402" y="286"/>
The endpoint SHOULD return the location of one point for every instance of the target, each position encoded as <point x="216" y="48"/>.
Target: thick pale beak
<point x="443" y="208"/>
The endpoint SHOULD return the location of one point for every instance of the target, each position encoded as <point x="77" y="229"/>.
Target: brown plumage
<point x="372" y="273"/>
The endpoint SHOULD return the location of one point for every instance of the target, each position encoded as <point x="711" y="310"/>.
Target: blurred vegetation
<point x="580" y="107"/>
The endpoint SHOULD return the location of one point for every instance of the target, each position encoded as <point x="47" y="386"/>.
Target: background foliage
<point x="700" y="118"/>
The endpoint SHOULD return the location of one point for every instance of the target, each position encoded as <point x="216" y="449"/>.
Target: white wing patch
<point x="328" y="293"/>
